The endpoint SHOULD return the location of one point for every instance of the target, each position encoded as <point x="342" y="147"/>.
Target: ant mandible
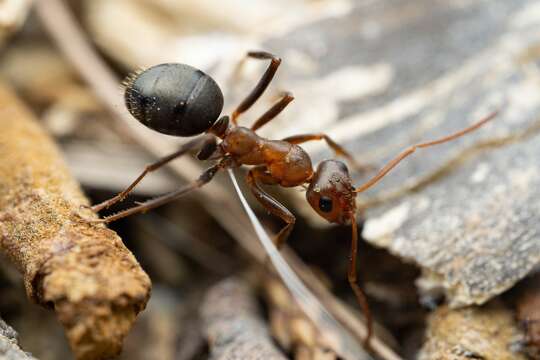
<point x="179" y="100"/>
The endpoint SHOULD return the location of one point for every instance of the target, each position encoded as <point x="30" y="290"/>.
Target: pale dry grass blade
<point x="336" y="336"/>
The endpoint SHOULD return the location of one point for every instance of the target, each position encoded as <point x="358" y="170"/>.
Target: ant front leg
<point x="261" y="86"/>
<point x="353" y="282"/>
<point x="338" y="149"/>
<point x="191" y="145"/>
<point x="255" y="177"/>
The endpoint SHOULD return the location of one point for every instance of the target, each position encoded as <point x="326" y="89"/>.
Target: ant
<point x="179" y="100"/>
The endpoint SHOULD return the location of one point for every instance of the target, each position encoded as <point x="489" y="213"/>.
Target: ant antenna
<point x="386" y="169"/>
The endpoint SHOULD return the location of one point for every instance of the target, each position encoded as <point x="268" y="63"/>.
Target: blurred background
<point x="376" y="75"/>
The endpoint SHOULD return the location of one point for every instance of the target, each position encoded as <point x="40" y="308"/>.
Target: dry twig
<point x="290" y="326"/>
<point x="233" y="325"/>
<point x="12" y="16"/>
<point x="528" y="313"/>
<point x="82" y="271"/>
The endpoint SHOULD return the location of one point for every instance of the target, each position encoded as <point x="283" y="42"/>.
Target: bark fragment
<point x="82" y="271"/>
<point x="485" y="333"/>
<point x="9" y="349"/>
<point x="488" y="226"/>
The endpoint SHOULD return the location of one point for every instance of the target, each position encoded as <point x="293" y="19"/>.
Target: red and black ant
<point x="179" y="100"/>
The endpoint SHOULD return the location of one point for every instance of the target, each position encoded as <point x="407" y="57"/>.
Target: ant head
<point x="331" y="193"/>
<point x="174" y="99"/>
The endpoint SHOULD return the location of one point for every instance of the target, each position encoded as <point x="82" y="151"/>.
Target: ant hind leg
<point x="261" y="86"/>
<point x="203" y="179"/>
<point x="191" y="145"/>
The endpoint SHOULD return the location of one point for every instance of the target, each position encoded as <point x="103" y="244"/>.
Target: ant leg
<point x="152" y="167"/>
<point x="274" y="111"/>
<point x="353" y="282"/>
<point x="261" y="86"/>
<point x="338" y="149"/>
<point x="203" y="179"/>
<point x="254" y="178"/>
<point x="386" y="169"/>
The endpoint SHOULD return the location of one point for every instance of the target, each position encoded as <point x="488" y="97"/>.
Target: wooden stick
<point x="82" y="271"/>
<point x="233" y="325"/>
<point x="528" y="314"/>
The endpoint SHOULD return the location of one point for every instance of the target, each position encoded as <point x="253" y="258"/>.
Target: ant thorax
<point x="240" y="141"/>
<point x="287" y="164"/>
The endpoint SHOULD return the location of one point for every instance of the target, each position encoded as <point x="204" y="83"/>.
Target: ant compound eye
<point x="325" y="204"/>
